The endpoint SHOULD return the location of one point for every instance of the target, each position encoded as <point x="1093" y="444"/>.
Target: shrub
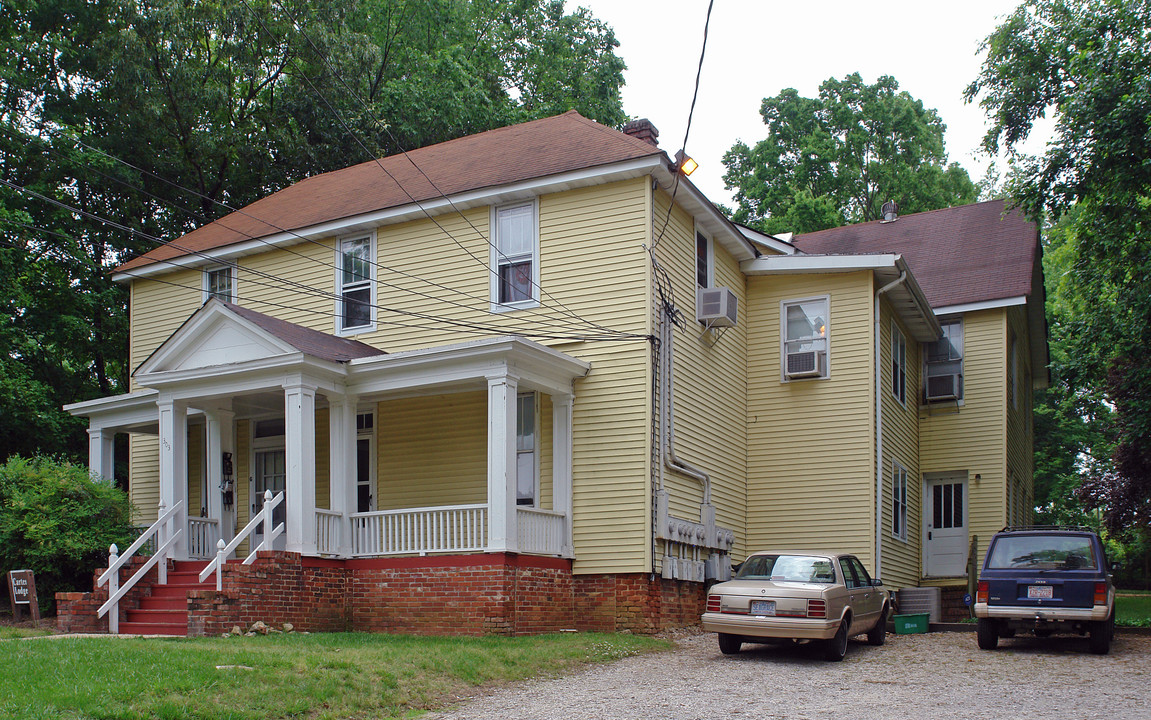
<point x="58" y="521"/>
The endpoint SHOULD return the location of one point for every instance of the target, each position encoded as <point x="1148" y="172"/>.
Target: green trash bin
<point x="909" y="624"/>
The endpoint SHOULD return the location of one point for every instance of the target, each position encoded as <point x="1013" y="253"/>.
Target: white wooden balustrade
<point x="452" y="528"/>
<point x="541" y="532"/>
<point x="159" y="535"/>
<point x="329" y="531"/>
<point x="263" y="519"/>
<point x="202" y="536"/>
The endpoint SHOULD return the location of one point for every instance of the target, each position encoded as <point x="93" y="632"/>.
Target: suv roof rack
<point x="1075" y="528"/>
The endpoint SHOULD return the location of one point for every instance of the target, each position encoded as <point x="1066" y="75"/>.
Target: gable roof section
<point x="507" y="155"/>
<point x="960" y="255"/>
<point x="311" y="342"/>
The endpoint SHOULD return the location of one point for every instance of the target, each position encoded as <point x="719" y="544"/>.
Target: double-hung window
<point x="526" y="449"/>
<point x="354" y="280"/>
<point x="898" y="501"/>
<point x="220" y="282"/>
<point x="944" y="376"/>
<point x="805" y="338"/>
<point x="515" y="257"/>
<point x="898" y="364"/>
<point x="704" y="261"/>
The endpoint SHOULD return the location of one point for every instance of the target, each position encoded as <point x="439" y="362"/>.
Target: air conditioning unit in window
<point x="805" y="364"/>
<point x="718" y="307"/>
<point x="943" y="387"/>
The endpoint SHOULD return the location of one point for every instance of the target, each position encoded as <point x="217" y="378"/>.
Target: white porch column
<point x="174" y="468"/>
<point x="102" y="453"/>
<point x="562" y="465"/>
<point x="300" y="452"/>
<point x="220" y="438"/>
<point x="342" y="464"/>
<point x="503" y="535"/>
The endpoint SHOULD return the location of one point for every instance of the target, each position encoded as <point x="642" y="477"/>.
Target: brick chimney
<point x="644" y="130"/>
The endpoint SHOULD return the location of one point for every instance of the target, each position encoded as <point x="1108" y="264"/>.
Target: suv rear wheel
<point x="1100" y="635"/>
<point x="987" y="634"/>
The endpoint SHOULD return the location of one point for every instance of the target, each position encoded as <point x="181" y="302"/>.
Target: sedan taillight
<point x="1100" y="594"/>
<point x="981" y="591"/>
<point x="713" y="603"/>
<point x="816" y="608"/>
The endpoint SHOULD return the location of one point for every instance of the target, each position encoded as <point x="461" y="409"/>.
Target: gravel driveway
<point x="936" y="675"/>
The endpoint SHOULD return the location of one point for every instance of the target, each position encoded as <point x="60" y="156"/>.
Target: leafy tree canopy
<point x="152" y="114"/>
<point x="1088" y="64"/>
<point x="835" y="159"/>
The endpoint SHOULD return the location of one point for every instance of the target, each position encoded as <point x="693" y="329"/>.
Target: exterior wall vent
<point x="718" y="307"/>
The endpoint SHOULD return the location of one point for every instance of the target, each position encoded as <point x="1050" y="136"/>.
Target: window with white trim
<point x="365" y="462"/>
<point x="944" y="360"/>
<point x="704" y="261"/>
<point x="804" y="338"/>
<point x="526" y="485"/>
<point x="354" y="284"/>
<point x="898" y="364"/>
<point x="898" y="501"/>
<point x="220" y="282"/>
<point x="515" y="256"/>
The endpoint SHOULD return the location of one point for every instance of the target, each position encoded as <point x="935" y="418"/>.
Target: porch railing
<point x="202" y="536"/>
<point x="329" y="524"/>
<point x="261" y="519"/>
<point x="454" y="528"/>
<point x="541" y="532"/>
<point x="161" y="536"/>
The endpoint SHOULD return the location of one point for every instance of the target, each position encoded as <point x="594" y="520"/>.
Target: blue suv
<point x="1045" y="580"/>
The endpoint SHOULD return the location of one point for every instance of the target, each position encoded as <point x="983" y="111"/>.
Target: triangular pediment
<point x="214" y="336"/>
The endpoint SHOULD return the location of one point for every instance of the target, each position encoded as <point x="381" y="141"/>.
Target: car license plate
<point x="1040" y="592"/>
<point x="762" y="607"/>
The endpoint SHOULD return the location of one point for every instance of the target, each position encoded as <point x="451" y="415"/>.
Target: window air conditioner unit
<point x="718" y="307"/>
<point x="943" y="387"/>
<point x="809" y="363"/>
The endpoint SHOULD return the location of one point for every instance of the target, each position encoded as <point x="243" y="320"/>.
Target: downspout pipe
<point x="667" y="412"/>
<point x="879" y="426"/>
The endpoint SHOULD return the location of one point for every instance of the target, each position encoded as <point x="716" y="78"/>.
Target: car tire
<point x="1100" y="634"/>
<point x="729" y="644"/>
<point x="987" y="634"/>
<point x="835" y="648"/>
<point x="878" y="634"/>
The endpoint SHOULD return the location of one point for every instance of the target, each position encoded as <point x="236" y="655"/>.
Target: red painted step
<point x="165" y="611"/>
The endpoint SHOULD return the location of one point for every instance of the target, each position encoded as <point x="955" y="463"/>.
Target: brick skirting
<point x="502" y="594"/>
<point x="76" y="611"/>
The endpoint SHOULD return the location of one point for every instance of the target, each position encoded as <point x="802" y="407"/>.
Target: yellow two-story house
<point x="532" y="379"/>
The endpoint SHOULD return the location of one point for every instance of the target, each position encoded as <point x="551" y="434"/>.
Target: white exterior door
<point x="270" y="474"/>
<point x="945" y="525"/>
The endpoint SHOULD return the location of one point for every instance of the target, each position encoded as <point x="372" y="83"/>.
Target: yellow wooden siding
<point x="811" y="443"/>
<point x="1020" y="431"/>
<point x="296" y="284"/>
<point x="323" y="461"/>
<point x="432" y="451"/>
<point x="971" y="438"/>
<point x="710" y="382"/>
<point x="901" y="561"/>
<point x="158" y="309"/>
<point x="144" y="477"/>
<point x="196" y="469"/>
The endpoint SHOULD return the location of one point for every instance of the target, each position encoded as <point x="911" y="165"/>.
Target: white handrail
<point x="116" y="562"/>
<point x="265" y="513"/>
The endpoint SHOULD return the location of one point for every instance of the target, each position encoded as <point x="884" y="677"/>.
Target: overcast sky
<point x="757" y="48"/>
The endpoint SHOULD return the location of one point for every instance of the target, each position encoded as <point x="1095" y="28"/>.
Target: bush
<point x="58" y="522"/>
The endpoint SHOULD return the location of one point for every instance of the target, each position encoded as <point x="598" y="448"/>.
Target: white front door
<point x="945" y="523"/>
<point x="271" y="474"/>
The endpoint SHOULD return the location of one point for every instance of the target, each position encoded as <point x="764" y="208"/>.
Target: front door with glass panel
<point x="945" y="525"/>
<point x="270" y="474"/>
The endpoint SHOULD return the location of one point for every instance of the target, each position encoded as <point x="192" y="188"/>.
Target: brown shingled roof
<point x="960" y="255"/>
<point x="311" y="342"/>
<point x="539" y="148"/>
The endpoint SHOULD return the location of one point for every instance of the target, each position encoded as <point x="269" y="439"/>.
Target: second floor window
<point x="515" y="256"/>
<point x="219" y="283"/>
<point x="355" y="283"/>
<point x="703" y="260"/>
<point x="898" y="364"/>
<point x="805" y="338"/>
<point x="945" y="363"/>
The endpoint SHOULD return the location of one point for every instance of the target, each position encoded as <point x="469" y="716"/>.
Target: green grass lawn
<point x="1132" y="608"/>
<point x="321" y="676"/>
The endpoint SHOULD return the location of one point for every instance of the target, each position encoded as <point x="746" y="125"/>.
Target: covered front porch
<point x="457" y="449"/>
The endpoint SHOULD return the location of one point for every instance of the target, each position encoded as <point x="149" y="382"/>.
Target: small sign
<point x="22" y="590"/>
<point x="967" y="599"/>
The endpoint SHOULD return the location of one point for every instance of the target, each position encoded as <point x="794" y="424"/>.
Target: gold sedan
<point x="798" y="596"/>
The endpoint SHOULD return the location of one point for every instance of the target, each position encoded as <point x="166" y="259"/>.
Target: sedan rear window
<point x="1042" y="552"/>
<point x="787" y="568"/>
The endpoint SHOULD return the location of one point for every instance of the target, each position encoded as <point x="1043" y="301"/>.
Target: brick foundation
<point x="76" y="611"/>
<point x="501" y="594"/>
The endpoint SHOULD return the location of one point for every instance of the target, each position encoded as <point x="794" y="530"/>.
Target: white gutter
<point x="879" y="426"/>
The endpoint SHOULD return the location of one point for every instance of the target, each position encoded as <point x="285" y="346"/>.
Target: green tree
<point x="835" y="159"/>
<point x="1088" y="63"/>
